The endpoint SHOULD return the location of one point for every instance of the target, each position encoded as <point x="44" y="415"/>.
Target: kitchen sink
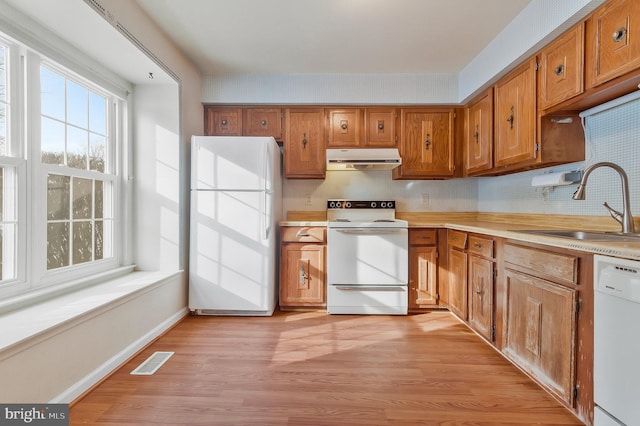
<point x="583" y="235"/>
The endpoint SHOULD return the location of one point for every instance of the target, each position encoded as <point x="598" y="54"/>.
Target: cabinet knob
<point x="559" y="70"/>
<point x="427" y="143"/>
<point x="224" y="122"/>
<point x="619" y="34"/>
<point x="304" y="141"/>
<point x="263" y="123"/>
<point x="476" y="135"/>
<point x="381" y="125"/>
<point x="344" y="125"/>
<point x="478" y="246"/>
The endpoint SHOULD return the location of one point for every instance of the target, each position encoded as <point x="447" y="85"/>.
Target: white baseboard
<point x="91" y="379"/>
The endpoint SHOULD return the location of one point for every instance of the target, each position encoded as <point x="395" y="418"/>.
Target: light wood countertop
<point x="506" y="226"/>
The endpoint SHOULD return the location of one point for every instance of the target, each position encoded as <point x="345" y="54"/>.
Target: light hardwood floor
<point x="310" y="368"/>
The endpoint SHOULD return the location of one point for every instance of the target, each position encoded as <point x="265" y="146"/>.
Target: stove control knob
<point x="374" y="204"/>
<point x="332" y="204"/>
<point x="347" y="205"/>
<point x="338" y="204"/>
<point x="390" y="204"/>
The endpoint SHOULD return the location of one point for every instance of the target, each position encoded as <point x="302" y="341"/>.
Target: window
<point x="59" y="173"/>
<point x="74" y="138"/>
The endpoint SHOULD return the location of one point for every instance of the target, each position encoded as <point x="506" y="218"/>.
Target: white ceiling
<point x="332" y="36"/>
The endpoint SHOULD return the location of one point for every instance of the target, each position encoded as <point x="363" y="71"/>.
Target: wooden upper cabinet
<point x="304" y="147"/>
<point x="380" y="127"/>
<point x="426" y="143"/>
<point x="344" y="127"/>
<point x="561" y="68"/>
<point x="515" y="116"/>
<point x="262" y="122"/>
<point x="478" y="143"/>
<point x="612" y="40"/>
<point x="223" y="121"/>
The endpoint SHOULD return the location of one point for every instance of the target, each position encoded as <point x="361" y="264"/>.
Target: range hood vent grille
<point x="363" y="159"/>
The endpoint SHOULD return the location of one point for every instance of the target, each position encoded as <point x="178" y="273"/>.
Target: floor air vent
<point x="152" y="364"/>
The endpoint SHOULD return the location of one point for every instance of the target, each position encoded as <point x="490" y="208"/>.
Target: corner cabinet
<point x="302" y="267"/>
<point x="478" y="141"/>
<point x="423" y="265"/>
<point x="304" y="147"/>
<point x="426" y="143"/>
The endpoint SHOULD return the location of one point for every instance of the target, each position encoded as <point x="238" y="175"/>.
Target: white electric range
<point x="367" y="258"/>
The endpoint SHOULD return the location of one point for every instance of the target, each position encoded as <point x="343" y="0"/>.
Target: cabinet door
<point x="561" y="68"/>
<point x="263" y="122"/>
<point x="479" y="135"/>
<point x="302" y="280"/>
<point x="481" y="295"/>
<point x="458" y="282"/>
<point x="515" y="108"/>
<point x="426" y="145"/>
<point x="615" y="47"/>
<point x="380" y="127"/>
<point x="539" y="335"/>
<point x="223" y="121"/>
<point x="422" y="277"/>
<point x="344" y="127"/>
<point x="304" y="148"/>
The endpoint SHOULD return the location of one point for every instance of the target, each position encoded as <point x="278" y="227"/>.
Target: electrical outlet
<point x="424" y="199"/>
<point x="307" y="200"/>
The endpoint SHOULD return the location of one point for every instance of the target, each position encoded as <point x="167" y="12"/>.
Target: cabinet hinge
<point x="437" y="255"/>
<point x="537" y="67"/>
<point x="578" y="306"/>
<point x="396" y="138"/>
<point x="495" y="274"/>
<point x="576" y="392"/>
<point x="493" y="333"/>
<point x="537" y="146"/>
<point x="455" y="115"/>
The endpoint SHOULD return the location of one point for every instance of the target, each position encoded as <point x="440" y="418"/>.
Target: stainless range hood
<point x="363" y="159"/>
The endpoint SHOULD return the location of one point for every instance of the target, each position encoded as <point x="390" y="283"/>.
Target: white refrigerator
<point x="236" y="204"/>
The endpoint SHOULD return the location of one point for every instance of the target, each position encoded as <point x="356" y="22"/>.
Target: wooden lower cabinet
<point x="540" y="330"/>
<point x="302" y="268"/>
<point x="456" y="298"/>
<point x="423" y="265"/>
<point x="481" y="295"/>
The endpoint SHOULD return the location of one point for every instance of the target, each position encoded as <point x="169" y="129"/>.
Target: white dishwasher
<point x="616" y="370"/>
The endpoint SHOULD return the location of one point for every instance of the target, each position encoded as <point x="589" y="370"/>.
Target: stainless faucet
<point x="625" y="219"/>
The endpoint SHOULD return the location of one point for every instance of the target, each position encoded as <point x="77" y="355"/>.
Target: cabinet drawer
<point x="423" y="237"/>
<point x="303" y="234"/>
<point x="556" y="265"/>
<point x="481" y="246"/>
<point x="457" y="239"/>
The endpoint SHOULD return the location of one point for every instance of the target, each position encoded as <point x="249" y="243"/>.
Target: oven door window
<point x="367" y="256"/>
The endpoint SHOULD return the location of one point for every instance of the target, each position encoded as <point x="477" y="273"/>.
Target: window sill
<point x="30" y="322"/>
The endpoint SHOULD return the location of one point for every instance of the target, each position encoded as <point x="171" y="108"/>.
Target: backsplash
<point x="612" y="135"/>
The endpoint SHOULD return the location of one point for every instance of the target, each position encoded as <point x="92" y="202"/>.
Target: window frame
<point x="24" y="156"/>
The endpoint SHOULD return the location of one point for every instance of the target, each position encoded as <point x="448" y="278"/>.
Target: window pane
<point x="52" y="94"/>
<point x="98" y="242"/>
<point x="52" y="141"/>
<point x="77" y="147"/>
<point x="96" y="153"/>
<point x="77" y="105"/>
<point x="99" y="199"/>
<point x="57" y="245"/>
<point x="97" y="114"/>
<point x="58" y="196"/>
<point x="82" y="242"/>
<point x="82" y="198"/>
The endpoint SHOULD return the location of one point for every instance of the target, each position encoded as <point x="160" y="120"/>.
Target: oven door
<point x="367" y="270"/>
